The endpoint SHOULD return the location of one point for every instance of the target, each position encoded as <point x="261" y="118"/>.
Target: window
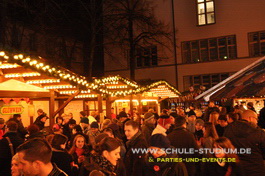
<point x="256" y="43"/>
<point x="146" y="56"/>
<point x="212" y="49"/>
<point x="208" y="81"/>
<point x="205" y="12"/>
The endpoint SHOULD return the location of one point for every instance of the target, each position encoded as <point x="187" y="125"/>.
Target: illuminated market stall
<point x="246" y="85"/>
<point x="31" y="83"/>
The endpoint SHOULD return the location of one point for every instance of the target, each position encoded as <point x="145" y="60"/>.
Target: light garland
<point x="103" y="85"/>
<point x="59" y="87"/>
<point x="16" y="75"/>
<point x="43" y="81"/>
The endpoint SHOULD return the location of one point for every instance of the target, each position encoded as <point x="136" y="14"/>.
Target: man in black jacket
<point x="245" y="134"/>
<point x="183" y="139"/>
<point x="35" y="158"/>
<point x="5" y="148"/>
<point x="134" y="160"/>
<point x="21" y="130"/>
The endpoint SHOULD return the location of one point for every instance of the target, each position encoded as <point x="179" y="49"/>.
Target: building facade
<point x="214" y="39"/>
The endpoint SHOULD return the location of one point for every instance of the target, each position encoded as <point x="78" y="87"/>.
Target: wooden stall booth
<point x="246" y="85"/>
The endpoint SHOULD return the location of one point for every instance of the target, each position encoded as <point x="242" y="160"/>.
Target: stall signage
<point x="11" y="109"/>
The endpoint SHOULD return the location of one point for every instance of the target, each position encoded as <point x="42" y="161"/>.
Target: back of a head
<point x="12" y="126"/>
<point x="222" y="117"/>
<point x="83" y="113"/>
<point x="15" y="116"/>
<point x="36" y="149"/>
<point x="179" y="121"/>
<point x="233" y="116"/>
<point x="32" y="129"/>
<point x="249" y="114"/>
<point x="78" y="129"/>
<point x="72" y="122"/>
<point x="108" y="143"/>
<point x="58" y="140"/>
<point x="134" y="124"/>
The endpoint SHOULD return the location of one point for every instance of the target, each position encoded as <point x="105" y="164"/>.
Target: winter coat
<point x="63" y="160"/>
<point x="183" y="139"/>
<point x="134" y="161"/>
<point x="5" y="152"/>
<point x="100" y="166"/>
<point x="213" y="168"/>
<point x="21" y="129"/>
<point x="147" y="130"/>
<point x="243" y="135"/>
<point x="164" y="168"/>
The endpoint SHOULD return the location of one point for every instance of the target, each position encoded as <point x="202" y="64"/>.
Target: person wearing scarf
<point x="134" y="161"/>
<point x="105" y="161"/>
<point x="153" y="160"/>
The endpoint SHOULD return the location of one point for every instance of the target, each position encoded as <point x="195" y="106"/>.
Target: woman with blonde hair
<point x="79" y="150"/>
<point x="15" y="171"/>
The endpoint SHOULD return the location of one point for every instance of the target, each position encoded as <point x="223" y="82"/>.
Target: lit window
<point x="205" y="12"/>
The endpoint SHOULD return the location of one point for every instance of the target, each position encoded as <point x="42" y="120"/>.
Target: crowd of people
<point x="117" y="145"/>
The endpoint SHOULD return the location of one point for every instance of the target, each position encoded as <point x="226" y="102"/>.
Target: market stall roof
<point x="247" y="82"/>
<point x="38" y="72"/>
<point x="161" y="88"/>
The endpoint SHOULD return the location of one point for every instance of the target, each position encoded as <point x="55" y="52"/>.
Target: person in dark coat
<point x="105" y="161"/>
<point x="5" y="150"/>
<point x="223" y="168"/>
<point x="222" y="123"/>
<point x="34" y="132"/>
<point x="21" y="130"/>
<point x="68" y="127"/>
<point x="149" y="125"/>
<point x="123" y="118"/>
<point x="35" y="158"/>
<point x="134" y="161"/>
<point x="2" y="127"/>
<point x="153" y="164"/>
<point x="211" y="108"/>
<point x="59" y="156"/>
<point x="245" y="134"/>
<point x="40" y="121"/>
<point x="183" y="139"/>
<point x="261" y="121"/>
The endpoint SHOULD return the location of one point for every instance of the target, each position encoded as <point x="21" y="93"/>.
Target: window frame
<point x="188" y="52"/>
<point x="259" y="42"/>
<point x="205" y="12"/>
<point x="191" y="79"/>
<point x="148" y="56"/>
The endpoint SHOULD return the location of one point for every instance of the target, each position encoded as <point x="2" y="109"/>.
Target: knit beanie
<point x="160" y="141"/>
<point x="148" y="116"/>
<point x="94" y="125"/>
<point x="164" y="120"/>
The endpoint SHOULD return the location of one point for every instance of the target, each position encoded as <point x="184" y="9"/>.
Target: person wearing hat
<point x="149" y="125"/>
<point x="163" y="124"/>
<point x="157" y="153"/>
<point x="93" y="133"/>
<point x="182" y="138"/>
<point x="2" y="128"/>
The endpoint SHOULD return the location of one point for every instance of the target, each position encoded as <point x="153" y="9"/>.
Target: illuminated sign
<point x="11" y="109"/>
